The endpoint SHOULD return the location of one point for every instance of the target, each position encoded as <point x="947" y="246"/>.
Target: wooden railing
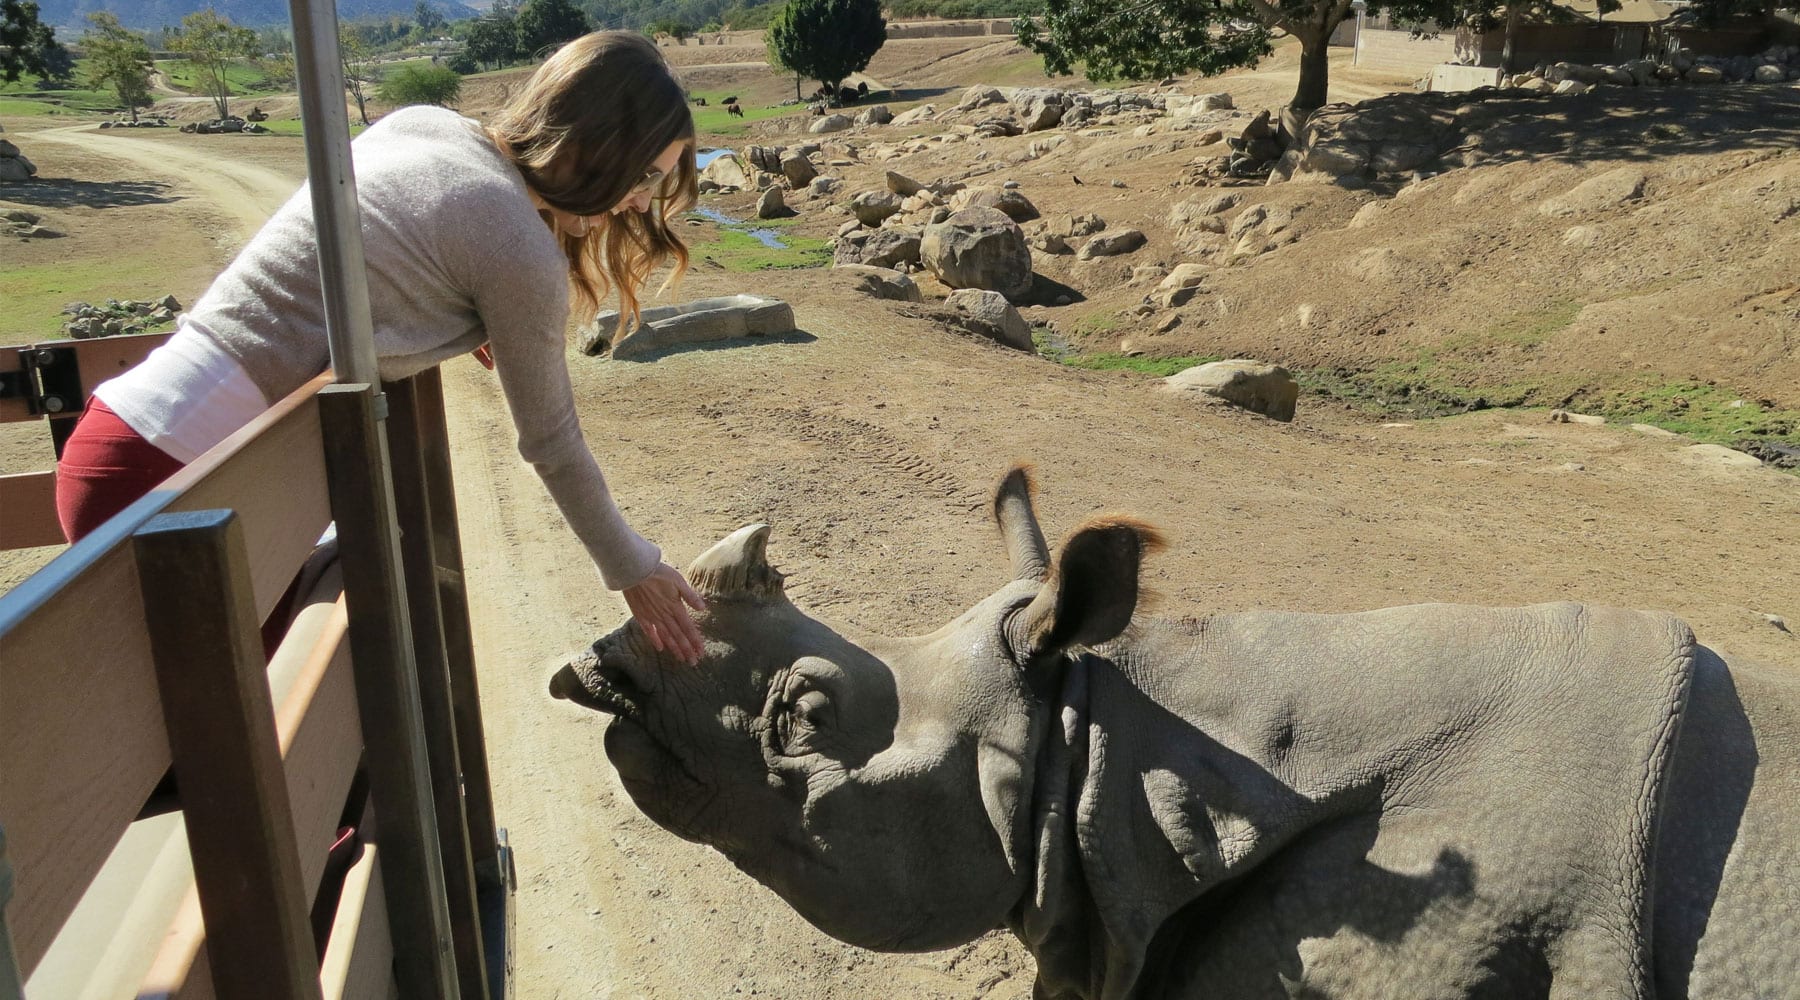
<point x="137" y="709"/>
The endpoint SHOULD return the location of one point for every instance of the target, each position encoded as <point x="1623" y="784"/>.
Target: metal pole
<point x="333" y="185"/>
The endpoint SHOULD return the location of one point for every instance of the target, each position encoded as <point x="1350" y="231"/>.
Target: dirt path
<point x="245" y="193"/>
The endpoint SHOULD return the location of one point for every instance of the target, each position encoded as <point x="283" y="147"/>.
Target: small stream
<point x="767" y="237"/>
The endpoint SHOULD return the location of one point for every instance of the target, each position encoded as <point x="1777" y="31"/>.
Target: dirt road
<point x="244" y="193"/>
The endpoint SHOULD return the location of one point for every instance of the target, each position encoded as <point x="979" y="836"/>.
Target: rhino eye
<point x="800" y="726"/>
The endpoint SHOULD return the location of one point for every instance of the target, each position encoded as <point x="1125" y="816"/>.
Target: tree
<point x="27" y="45"/>
<point x="545" y="24"/>
<point x="427" y="18"/>
<point x="212" y="43"/>
<point x="493" y="40"/>
<point x="826" y="40"/>
<point x="1146" y="39"/>
<point x="360" y="69"/>
<point x="118" y="59"/>
<point x="419" y="84"/>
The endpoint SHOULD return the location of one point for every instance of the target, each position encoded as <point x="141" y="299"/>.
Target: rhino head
<point x="881" y="786"/>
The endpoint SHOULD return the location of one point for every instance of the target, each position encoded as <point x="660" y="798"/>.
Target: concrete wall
<point x="949" y="29"/>
<point x="1580" y="43"/>
<point x="1399" y="52"/>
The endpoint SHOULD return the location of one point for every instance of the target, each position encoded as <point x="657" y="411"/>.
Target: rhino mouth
<point x="584" y="683"/>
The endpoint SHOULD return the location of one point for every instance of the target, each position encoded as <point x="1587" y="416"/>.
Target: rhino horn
<point x="737" y="567"/>
<point x="1025" y="546"/>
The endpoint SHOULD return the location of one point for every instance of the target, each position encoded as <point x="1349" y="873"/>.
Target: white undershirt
<point x="187" y="396"/>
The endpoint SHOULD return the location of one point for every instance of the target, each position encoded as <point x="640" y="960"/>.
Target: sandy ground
<point x="869" y="441"/>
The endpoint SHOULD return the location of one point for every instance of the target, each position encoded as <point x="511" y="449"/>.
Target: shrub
<point x="421" y="84"/>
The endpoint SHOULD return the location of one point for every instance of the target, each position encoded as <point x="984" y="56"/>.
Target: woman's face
<point x="637" y="201"/>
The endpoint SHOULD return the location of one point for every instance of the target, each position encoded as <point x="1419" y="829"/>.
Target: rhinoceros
<point x="1436" y="801"/>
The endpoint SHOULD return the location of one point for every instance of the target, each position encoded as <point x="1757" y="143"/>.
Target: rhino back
<point x="1424" y="801"/>
<point x="1727" y="889"/>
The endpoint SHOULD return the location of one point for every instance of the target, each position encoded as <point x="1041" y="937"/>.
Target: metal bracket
<point x="48" y="380"/>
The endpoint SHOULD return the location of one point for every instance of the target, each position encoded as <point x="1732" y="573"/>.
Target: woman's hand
<point x="660" y="604"/>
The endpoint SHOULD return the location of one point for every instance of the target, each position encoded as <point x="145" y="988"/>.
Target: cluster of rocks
<point x="150" y="121"/>
<point x="14" y="166"/>
<point x="1357" y="141"/>
<point x="230" y="124"/>
<point x="1775" y="64"/>
<point x="118" y="317"/>
<point x="25" y="225"/>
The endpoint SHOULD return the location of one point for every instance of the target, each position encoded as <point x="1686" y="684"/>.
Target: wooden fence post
<point x="387" y="691"/>
<point x="212" y="678"/>
<point x="412" y="505"/>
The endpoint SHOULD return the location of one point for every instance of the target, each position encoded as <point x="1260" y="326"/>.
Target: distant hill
<point x="70" y="16"/>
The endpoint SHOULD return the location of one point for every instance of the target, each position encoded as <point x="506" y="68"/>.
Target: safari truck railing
<point x="168" y="802"/>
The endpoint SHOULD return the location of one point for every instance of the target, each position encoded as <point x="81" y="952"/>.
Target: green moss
<point x="1159" y="367"/>
<point x="736" y="250"/>
<point x="35" y="294"/>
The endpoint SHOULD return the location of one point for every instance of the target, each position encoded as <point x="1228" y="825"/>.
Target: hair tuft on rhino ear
<point x="737" y="567"/>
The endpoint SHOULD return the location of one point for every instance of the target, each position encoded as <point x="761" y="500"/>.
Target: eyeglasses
<point x="652" y="180"/>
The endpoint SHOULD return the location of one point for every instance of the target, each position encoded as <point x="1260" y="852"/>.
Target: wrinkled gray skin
<point x="1420" y="802"/>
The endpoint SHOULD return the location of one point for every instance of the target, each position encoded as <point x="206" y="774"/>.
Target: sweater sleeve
<point x="525" y="310"/>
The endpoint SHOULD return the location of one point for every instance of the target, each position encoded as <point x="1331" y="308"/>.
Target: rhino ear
<point x="1092" y="591"/>
<point x="737" y="567"/>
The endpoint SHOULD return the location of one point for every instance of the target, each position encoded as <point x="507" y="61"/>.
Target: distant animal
<point x="818" y="110"/>
<point x="730" y="100"/>
<point x="1428" y="801"/>
<point x="1075" y="178"/>
<point x="734" y="110"/>
<point x="257" y="114"/>
<point x="700" y="102"/>
<point x="848" y="95"/>
<point x="862" y="88"/>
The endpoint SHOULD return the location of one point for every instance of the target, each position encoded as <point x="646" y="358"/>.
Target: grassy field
<point x="22" y="97"/>
<point x="241" y="78"/>
<point x="734" y="249"/>
<point x="35" y="295"/>
<point x="715" y="120"/>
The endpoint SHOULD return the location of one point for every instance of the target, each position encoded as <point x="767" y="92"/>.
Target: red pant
<point x="105" y="467"/>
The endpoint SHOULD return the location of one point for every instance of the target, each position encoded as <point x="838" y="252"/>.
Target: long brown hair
<point x="588" y="126"/>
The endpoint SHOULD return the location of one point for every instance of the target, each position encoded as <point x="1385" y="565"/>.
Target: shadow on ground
<point x="64" y="192"/>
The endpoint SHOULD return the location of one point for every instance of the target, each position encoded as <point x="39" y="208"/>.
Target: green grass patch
<point x="22" y="108"/>
<point x="736" y="250"/>
<point x="715" y="120"/>
<point x="295" y="127"/>
<point x="35" y="294"/>
<point x="1104" y="361"/>
<point x="242" y="79"/>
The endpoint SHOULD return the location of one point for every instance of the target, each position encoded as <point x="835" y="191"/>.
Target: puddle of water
<point x="705" y="156"/>
<point x="767" y="237"/>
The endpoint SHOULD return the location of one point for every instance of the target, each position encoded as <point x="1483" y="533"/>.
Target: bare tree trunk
<point x="1512" y="27"/>
<point x="1315" y="71"/>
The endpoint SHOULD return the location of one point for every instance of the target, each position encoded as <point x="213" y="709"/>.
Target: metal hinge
<point x="48" y="380"/>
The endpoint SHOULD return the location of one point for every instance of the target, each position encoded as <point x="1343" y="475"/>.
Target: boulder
<point x="879" y="282"/>
<point x="1572" y="88"/>
<point x="830" y="123"/>
<point x="1705" y="74"/>
<point x="923" y="112"/>
<point x="1070" y="226"/>
<point x="1770" y="74"/>
<point x="771" y="205"/>
<point x="1214" y="102"/>
<point x="699" y="321"/>
<point x="798" y="170"/>
<point x="824" y="186"/>
<point x="1253" y="385"/>
<point x="903" y="185"/>
<point x="1040" y="107"/>
<point x="875" y="115"/>
<point x="764" y="158"/>
<point x="871" y="207"/>
<point x="980" y="96"/>
<point x="727" y="171"/>
<point x="1016" y="206"/>
<point x="992" y="315"/>
<point x="1111" y="243"/>
<point x="978" y="248"/>
<point x="1049" y="243"/>
<point x="891" y="246"/>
